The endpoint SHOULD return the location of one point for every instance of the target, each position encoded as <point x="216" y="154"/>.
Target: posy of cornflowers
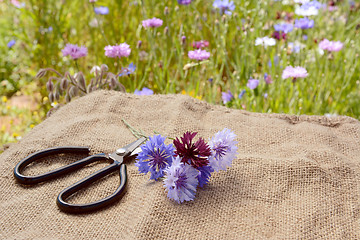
<point x="186" y="164"/>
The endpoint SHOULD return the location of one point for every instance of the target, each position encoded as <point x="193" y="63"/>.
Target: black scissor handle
<point x="87" y="207"/>
<point x="29" y="180"/>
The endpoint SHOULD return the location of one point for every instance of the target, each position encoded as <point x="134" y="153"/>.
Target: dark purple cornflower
<point x="196" y="154"/>
<point x="184" y="2"/>
<point x="279" y="35"/>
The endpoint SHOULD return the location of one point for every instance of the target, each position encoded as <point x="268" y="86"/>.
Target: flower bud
<point x="67" y="98"/>
<point x="166" y="30"/>
<point x="50" y="86"/>
<point x="113" y="83"/>
<point x="64" y="83"/>
<point x="138" y="45"/>
<point x="73" y="91"/>
<point x="89" y="88"/>
<point x="41" y="73"/>
<point x="183" y="40"/>
<point x="51" y="97"/>
<point x="57" y="96"/>
<point x="166" y="11"/>
<point x="104" y="68"/>
<point x="81" y="81"/>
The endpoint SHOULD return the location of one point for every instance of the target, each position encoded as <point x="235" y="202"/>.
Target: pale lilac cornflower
<point x="224" y="6"/>
<point x="181" y="181"/>
<point x="304" y="23"/>
<point x="152" y="23"/>
<point x="144" y="91"/>
<point x="294" y="72"/>
<point x="121" y="50"/>
<point x="74" y="51"/>
<point x="101" y="10"/>
<point x="223" y="149"/>
<point x="184" y="2"/>
<point x="227" y="96"/>
<point x="155" y="157"/>
<point x="199" y="54"/>
<point x="310" y="8"/>
<point x="265" y="41"/>
<point x="11" y="43"/>
<point x="285" y="27"/>
<point x="252" y="83"/>
<point x="331" y="46"/>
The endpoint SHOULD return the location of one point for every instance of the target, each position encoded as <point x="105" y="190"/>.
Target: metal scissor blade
<point x="132" y="146"/>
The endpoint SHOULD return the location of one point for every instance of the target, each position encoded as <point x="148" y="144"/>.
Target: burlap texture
<point x="296" y="177"/>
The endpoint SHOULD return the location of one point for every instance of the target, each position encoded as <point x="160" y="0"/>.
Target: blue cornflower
<point x="101" y="10"/>
<point x="285" y="27"/>
<point x="223" y="148"/>
<point x="181" y="181"/>
<point x="241" y="94"/>
<point x="227" y="96"/>
<point x="224" y="6"/>
<point x="155" y="157"/>
<point x="304" y="23"/>
<point x="144" y="91"/>
<point x="204" y="175"/>
<point x="127" y="71"/>
<point x="184" y="2"/>
<point x="11" y="43"/>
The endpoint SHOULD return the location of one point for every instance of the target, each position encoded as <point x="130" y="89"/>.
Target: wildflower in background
<point x="295" y="47"/>
<point x="304" y="23"/>
<point x="95" y="70"/>
<point x="305" y="37"/>
<point x="285" y="27"/>
<point x="204" y="175"/>
<point x="101" y="10"/>
<point x="183" y="40"/>
<point x="266" y="95"/>
<point x="267" y="78"/>
<point x="252" y="83"/>
<point x="294" y="72"/>
<point x="155" y="157"/>
<point x="11" y="43"/>
<point x="200" y="44"/>
<point x="74" y="51"/>
<point x="241" y="94"/>
<point x="223" y="149"/>
<point x="127" y="71"/>
<point x="181" y="181"/>
<point x="195" y="154"/>
<point x="121" y="50"/>
<point x="17" y="4"/>
<point x="184" y="2"/>
<point x="224" y="6"/>
<point x="331" y="46"/>
<point x="279" y="35"/>
<point x="227" y="96"/>
<point x="265" y="41"/>
<point x="152" y="23"/>
<point x="199" y="54"/>
<point x="310" y="8"/>
<point x="144" y="91"/>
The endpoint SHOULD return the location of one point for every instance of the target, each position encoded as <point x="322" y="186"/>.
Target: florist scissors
<point x="116" y="159"/>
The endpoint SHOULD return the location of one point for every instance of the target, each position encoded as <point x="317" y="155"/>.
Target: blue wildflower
<point x="181" y="181"/>
<point x="155" y="157"/>
<point x="224" y="6"/>
<point x="144" y="91"/>
<point x="127" y="71"/>
<point x="11" y="43"/>
<point x="252" y="83"/>
<point x="285" y="28"/>
<point x="304" y="23"/>
<point x="184" y="2"/>
<point x="227" y="96"/>
<point x="223" y="148"/>
<point x="204" y="175"/>
<point x="101" y="10"/>
<point x="241" y="94"/>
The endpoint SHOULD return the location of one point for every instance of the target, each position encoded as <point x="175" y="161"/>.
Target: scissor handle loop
<point x="87" y="207"/>
<point x="29" y="180"/>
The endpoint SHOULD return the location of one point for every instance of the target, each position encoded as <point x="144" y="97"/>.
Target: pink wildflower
<point x="74" y="51"/>
<point x="121" y="50"/>
<point x="294" y="72"/>
<point x="331" y="46"/>
<point x="200" y="44"/>
<point x="199" y="54"/>
<point x="153" y="23"/>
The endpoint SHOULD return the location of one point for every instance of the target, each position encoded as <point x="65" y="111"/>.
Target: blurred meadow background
<point x="233" y="53"/>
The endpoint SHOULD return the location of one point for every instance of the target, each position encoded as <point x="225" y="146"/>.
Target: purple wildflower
<point x="184" y="2"/>
<point x="127" y="71"/>
<point x="204" y="175"/>
<point x="11" y="43"/>
<point x="152" y="23"/>
<point x="144" y="91"/>
<point x="181" y="181"/>
<point x="252" y="83"/>
<point x="224" y="6"/>
<point x="74" y="51"/>
<point x="227" y="96"/>
<point x="199" y="54"/>
<point x="304" y="23"/>
<point x="200" y="44"/>
<point x="223" y="149"/>
<point x="284" y="28"/>
<point x="155" y="157"/>
<point x="121" y="50"/>
<point x="241" y="94"/>
<point x="267" y="78"/>
<point x="331" y="46"/>
<point x="294" y="72"/>
<point x="101" y="10"/>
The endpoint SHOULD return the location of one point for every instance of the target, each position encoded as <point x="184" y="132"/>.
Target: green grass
<point x="331" y="87"/>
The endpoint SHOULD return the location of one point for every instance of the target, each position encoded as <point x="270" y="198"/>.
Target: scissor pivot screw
<point x="120" y="151"/>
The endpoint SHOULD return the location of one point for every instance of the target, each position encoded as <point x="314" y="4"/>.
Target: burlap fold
<point x="295" y="177"/>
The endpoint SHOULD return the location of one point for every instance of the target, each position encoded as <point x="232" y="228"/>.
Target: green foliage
<point x="42" y="28"/>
